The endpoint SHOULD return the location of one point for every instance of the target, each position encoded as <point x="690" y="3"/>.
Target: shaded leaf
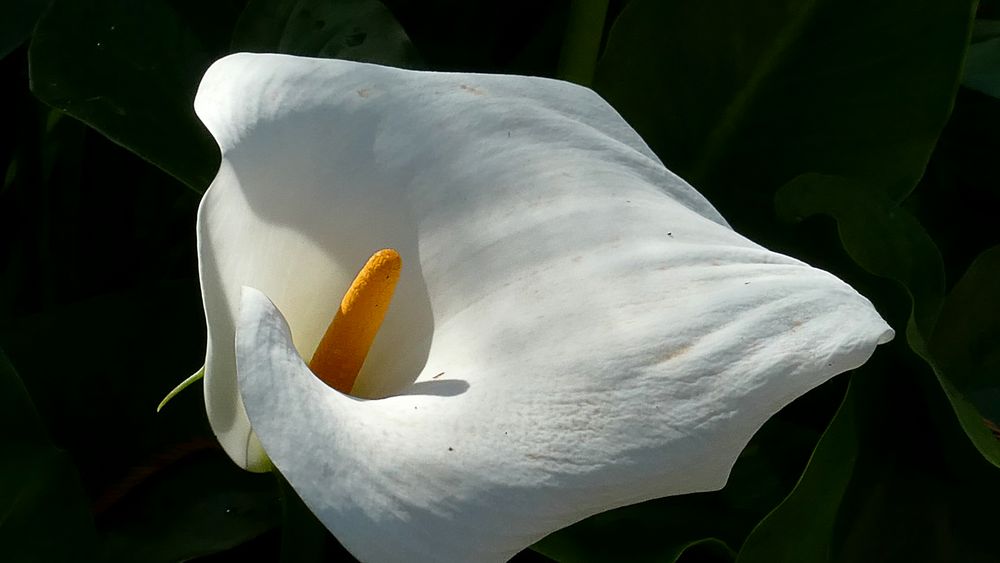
<point x="964" y="351"/>
<point x="889" y="482"/>
<point x="982" y="67"/>
<point x="202" y="504"/>
<point x="511" y="37"/>
<point x="17" y="19"/>
<point x="887" y="241"/>
<point x="117" y="356"/>
<point x="44" y="513"/>
<point x="960" y="180"/>
<point x="739" y="97"/>
<point x="357" y="30"/>
<point x="815" y="499"/>
<point x="130" y="70"/>
<point x="708" y="550"/>
<point x="878" y="234"/>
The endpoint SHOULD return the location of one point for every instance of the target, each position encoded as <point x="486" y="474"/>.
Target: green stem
<point x="582" y="41"/>
<point x="196" y="376"/>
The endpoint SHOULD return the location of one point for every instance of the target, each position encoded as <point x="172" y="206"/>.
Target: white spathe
<point x="575" y="328"/>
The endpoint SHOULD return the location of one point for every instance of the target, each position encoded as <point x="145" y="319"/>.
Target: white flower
<point x="575" y="328"/>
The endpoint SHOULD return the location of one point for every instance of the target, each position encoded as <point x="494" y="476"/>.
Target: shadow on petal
<point x="440" y="388"/>
<point x="321" y="195"/>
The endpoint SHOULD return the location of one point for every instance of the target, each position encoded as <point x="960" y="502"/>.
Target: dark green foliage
<point x="129" y="70"/>
<point x="16" y="22"/>
<point x="835" y="131"/>
<point x="358" y="30"/>
<point x="45" y="513"/>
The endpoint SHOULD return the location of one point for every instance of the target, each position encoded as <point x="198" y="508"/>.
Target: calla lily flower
<point x="574" y="329"/>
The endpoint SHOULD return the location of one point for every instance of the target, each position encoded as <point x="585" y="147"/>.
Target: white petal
<point x="488" y="459"/>
<point x="604" y="337"/>
<point x="326" y="161"/>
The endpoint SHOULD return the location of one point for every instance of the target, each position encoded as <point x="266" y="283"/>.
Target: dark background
<point x="839" y="132"/>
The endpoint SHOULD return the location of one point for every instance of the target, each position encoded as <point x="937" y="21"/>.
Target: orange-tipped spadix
<point x="343" y="349"/>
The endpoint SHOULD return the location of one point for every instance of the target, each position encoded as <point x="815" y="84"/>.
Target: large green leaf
<point x="964" y="351"/>
<point x="740" y="97"/>
<point x="360" y="30"/>
<point x="816" y="499"/>
<point x="44" y="513"/>
<point x="130" y="70"/>
<point x="888" y="482"/>
<point x="17" y="19"/>
<point x="877" y="233"/>
<point x="886" y="240"/>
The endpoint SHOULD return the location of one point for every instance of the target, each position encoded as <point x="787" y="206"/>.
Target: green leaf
<point x="130" y="70"/>
<point x="887" y="241"/>
<point x="740" y="97"/>
<point x="815" y="499"/>
<point x="582" y="40"/>
<point x="877" y="233"/>
<point x="359" y="30"/>
<point x="982" y="67"/>
<point x="888" y="482"/>
<point x="44" y="512"/>
<point x="963" y="349"/>
<point x="708" y="550"/>
<point x="201" y="505"/>
<point x="17" y="19"/>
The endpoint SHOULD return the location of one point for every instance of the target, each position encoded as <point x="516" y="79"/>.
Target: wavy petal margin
<point x="576" y="328"/>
